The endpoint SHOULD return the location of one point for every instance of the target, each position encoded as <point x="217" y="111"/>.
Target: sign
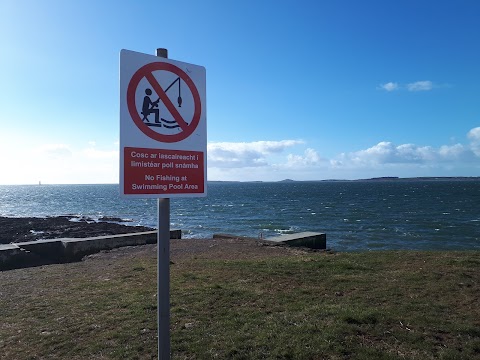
<point x="163" y="142"/>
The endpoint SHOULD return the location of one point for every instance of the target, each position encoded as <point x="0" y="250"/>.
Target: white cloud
<point x="54" y="151"/>
<point x="261" y="161"/>
<point x="60" y="164"/>
<point x="420" y="86"/>
<point x="390" y="86"/>
<point x="424" y="85"/>
<point x="474" y="134"/>
<point x="309" y="158"/>
<point x="387" y="153"/>
<point x="243" y="154"/>
<point x="474" y="137"/>
<point x="263" y="147"/>
<point x="452" y="152"/>
<point x="93" y="153"/>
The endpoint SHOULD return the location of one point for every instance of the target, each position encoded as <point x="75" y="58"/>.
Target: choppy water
<point x="355" y="215"/>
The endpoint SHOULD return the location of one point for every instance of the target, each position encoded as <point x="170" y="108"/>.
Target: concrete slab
<point x="51" y="249"/>
<point x="8" y="247"/>
<point x="12" y="254"/>
<point x="230" y="236"/>
<point x="75" y="249"/>
<point x="312" y="240"/>
<point x="48" y="251"/>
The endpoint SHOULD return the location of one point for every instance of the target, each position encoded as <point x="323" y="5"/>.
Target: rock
<point x="14" y="230"/>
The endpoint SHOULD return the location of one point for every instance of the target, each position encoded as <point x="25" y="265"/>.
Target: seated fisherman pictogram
<point x="149" y="107"/>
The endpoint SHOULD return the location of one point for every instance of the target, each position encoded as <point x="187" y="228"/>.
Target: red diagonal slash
<point x="166" y="101"/>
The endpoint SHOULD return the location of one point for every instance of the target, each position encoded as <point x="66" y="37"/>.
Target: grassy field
<point x="295" y="305"/>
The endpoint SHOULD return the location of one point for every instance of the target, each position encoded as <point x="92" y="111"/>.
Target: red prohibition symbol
<point x="187" y="127"/>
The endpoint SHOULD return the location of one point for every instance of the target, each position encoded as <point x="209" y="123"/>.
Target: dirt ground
<point x="223" y="248"/>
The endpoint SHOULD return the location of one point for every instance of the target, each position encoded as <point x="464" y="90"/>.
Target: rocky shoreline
<point x="22" y="229"/>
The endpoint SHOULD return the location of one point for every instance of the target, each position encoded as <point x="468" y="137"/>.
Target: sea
<point x="355" y="215"/>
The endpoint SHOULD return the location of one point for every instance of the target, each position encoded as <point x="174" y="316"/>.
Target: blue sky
<point x="306" y="90"/>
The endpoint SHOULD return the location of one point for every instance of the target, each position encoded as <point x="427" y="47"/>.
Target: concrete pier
<point x="307" y="239"/>
<point x="11" y="254"/>
<point x="312" y="240"/>
<point x="51" y="251"/>
<point x="75" y="249"/>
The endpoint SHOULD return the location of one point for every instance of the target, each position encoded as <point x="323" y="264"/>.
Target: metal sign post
<point x="163" y="268"/>
<point x="163" y="278"/>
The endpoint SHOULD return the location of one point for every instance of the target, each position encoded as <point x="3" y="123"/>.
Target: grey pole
<point x="163" y="271"/>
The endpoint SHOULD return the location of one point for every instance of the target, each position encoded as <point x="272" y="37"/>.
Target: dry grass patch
<point x="260" y="304"/>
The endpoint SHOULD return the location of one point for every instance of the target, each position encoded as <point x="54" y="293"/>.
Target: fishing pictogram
<point x="151" y="107"/>
<point x="160" y="118"/>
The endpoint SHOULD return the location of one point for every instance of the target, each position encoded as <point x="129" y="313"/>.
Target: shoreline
<point x="23" y="229"/>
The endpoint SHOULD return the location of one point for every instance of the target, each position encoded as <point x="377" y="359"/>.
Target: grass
<point x="371" y="305"/>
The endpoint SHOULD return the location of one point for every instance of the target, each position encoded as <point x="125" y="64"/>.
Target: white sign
<point x="163" y="131"/>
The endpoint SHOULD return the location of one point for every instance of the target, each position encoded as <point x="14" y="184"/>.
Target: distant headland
<point x="382" y="178"/>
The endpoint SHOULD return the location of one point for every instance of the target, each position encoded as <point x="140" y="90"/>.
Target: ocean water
<point x="355" y="215"/>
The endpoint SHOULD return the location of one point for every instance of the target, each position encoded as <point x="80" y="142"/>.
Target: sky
<point x="304" y="90"/>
